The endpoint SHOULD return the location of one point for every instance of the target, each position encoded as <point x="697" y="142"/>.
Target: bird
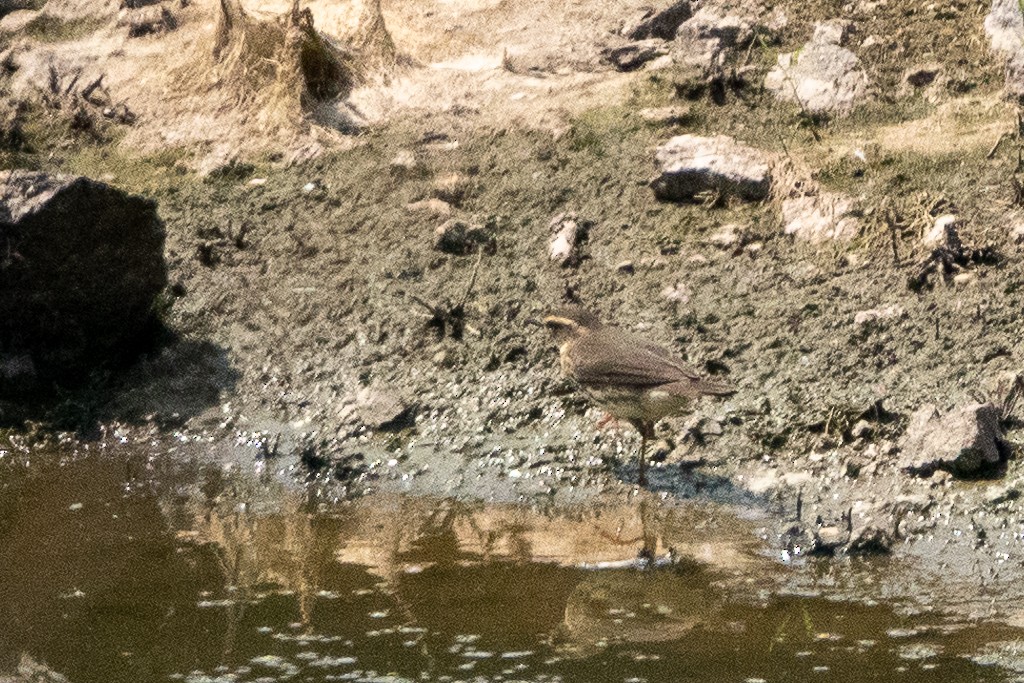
<point x="629" y="377"/>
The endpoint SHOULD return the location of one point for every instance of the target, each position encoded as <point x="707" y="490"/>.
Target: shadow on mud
<point x="162" y="379"/>
<point x="692" y="484"/>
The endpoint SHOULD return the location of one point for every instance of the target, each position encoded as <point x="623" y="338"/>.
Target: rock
<point x="460" y="238"/>
<point x="433" y="206"/>
<point x="944" y="233"/>
<point x="625" y="268"/>
<point x="876" y="314"/>
<point x="1017" y="234"/>
<point x="661" y="450"/>
<point x="144" y="21"/>
<point x="832" y="32"/>
<point x="869" y="539"/>
<point x="661" y="24"/>
<point x="405" y="163"/>
<point x="820" y="218"/>
<point x="690" y="164"/>
<point x="678" y="293"/>
<point x="634" y="55"/>
<point x="568" y="234"/>
<point x="381" y="410"/>
<point x="703" y="42"/>
<point x="82" y="265"/>
<point x="922" y="75"/>
<point x="451" y="188"/>
<point x="31" y="671"/>
<point x="1004" y="389"/>
<point x="963" y="279"/>
<point x="728" y="237"/>
<point x="827" y="540"/>
<point x="666" y="116"/>
<point x="861" y="430"/>
<point x="963" y="441"/>
<point x="690" y="82"/>
<point x="822" y="78"/>
<point x="1001" y="493"/>
<point x="1005" y="27"/>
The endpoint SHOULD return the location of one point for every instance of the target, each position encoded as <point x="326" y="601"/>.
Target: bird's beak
<point x="534" y="321"/>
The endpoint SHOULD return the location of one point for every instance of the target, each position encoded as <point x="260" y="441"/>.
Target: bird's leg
<point x="642" y="479"/>
<point x="646" y="429"/>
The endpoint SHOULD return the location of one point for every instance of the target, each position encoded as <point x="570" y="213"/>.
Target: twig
<point x="472" y="278"/>
<point x="999" y="141"/>
<point x="88" y="90"/>
<point x="73" y="83"/>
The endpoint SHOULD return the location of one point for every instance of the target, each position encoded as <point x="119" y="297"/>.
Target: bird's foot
<point x="609" y="421"/>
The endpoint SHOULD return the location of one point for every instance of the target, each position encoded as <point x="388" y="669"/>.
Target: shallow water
<point x="121" y="566"/>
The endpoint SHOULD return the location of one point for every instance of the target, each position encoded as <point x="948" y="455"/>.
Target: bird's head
<point x="566" y="324"/>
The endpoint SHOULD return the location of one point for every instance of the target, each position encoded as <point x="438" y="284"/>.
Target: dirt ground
<point x="297" y="330"/>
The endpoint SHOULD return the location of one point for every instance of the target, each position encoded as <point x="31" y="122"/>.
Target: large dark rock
<point x="81" y="264"/>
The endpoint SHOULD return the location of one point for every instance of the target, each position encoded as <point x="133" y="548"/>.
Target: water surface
<point x="118" y="566"/>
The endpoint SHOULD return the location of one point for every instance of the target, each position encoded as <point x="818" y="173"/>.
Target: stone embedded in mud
<point x="383" y="410"/>
<point x="659" y="24"/>
<point x="822" y="78"/>
<point x="452" y="188"/>
<point x="822" y="217"/>
<point x="678" y="293"/>
<point x="432" y="205"/>
<point x="869" y="539"/>
<point x="876" y="314"/>
<point x="962" y="441"/>
<point x="405" y="163"/>
<point x="944" y="233"/>
<point x="691" y="164"/>
<point x="1017" y="234"/>
<point x="460" y="238"/>
<point x="568" y="234"/>
<point x="729" y="237"/>
<point x="666" y="116"/>
<point x="81" y="266"/>
<point x="832" y="32"/>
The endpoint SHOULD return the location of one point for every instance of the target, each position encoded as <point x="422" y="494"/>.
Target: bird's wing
<point x="621" y="359"/>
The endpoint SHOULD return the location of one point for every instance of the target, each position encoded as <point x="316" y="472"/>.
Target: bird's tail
<point x="713" y="388"/>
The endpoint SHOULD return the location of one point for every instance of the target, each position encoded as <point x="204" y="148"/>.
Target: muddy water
<point x="120" y="566"/>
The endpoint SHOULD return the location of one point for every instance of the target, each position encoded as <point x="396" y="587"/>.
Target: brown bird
<point x="629" y="377"/>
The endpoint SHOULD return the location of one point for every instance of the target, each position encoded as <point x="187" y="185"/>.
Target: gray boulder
<point x="1005" y="27"/>
<point x="81" y="264"/>
<point x="691" y="164"/>
<point x="962" y="441"/>
<point x="824" y="77"/>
